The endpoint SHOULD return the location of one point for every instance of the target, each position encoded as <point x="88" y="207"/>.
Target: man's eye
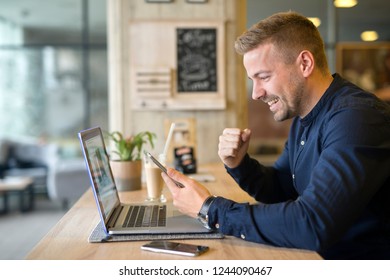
<point x="264" y="78"/>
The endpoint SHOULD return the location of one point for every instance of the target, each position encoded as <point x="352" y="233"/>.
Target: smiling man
<point x="283" y="85"/>
<point x="330" y="189"/>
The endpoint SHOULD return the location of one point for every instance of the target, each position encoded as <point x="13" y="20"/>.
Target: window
<point x="53" y="69"/>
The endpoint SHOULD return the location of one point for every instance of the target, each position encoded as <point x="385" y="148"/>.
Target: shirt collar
<point x="325" y="98"/>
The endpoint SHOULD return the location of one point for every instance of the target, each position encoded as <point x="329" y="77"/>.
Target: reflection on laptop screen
<point x="101" y="175"/>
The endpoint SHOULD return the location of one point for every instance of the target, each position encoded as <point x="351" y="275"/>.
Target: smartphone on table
<point x="176" y="248"/>
<point x="163" y="169"/>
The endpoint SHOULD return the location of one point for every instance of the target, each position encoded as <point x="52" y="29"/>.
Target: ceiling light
<point x="315" y="20"/>
<point x="369" y="36"/>
<point x="345" y="3"/>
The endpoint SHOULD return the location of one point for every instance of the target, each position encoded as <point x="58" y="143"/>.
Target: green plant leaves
<point x="130" y="149"/>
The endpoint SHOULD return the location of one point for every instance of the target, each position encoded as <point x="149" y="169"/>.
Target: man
<point x="330" y="189"/>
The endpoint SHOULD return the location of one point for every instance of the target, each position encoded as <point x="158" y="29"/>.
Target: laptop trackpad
<point x="184" y="223"/>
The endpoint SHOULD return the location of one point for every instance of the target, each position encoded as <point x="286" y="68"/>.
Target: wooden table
<point x="68" y="239"/>
<point x="23" y="186"/>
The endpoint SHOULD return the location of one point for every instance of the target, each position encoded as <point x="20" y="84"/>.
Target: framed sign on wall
<point x="366" y="65"/>
<point x="177" y="65"/>
<point x="196" y="60"/>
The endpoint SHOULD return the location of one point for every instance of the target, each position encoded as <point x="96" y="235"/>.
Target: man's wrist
<point x="203" y="212"/>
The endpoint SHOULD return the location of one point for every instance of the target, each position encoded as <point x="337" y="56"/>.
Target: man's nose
<point x="257" y="93"/>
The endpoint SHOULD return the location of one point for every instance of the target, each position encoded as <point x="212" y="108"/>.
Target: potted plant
<point x="126" y="157"/>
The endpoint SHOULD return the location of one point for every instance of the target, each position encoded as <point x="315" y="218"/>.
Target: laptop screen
<point x="100" y="172"/>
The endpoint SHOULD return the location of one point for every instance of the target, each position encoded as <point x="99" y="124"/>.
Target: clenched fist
<point x="233" y="145"/>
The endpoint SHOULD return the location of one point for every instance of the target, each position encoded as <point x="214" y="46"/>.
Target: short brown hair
<point x="290" y="33"/>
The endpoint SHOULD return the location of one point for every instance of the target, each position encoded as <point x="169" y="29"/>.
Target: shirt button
<point x="216" y="225"/>
<point x="293" y="176"/>
<point x="242" y="236"/>
<point x="302" y="143"/>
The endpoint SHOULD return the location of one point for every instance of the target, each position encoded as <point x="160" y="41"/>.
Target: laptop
<point x="127" y="218"/>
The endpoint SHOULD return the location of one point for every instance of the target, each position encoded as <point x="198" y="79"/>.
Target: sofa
<point x="68" y="181"/>
<point x="61" y="179"/>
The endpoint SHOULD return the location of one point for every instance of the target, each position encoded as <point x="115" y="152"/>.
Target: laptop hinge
<point x="114" y="217"/>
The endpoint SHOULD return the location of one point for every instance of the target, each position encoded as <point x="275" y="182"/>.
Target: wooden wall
<point x="209" y="123"/>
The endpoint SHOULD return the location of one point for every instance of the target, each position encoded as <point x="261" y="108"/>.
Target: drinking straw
<point x="169" y="138"/>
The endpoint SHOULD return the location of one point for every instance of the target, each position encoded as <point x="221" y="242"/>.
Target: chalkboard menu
<point x="196" y="60"/>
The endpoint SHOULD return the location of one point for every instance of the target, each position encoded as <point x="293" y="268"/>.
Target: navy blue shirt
<point x="330" y="189"/>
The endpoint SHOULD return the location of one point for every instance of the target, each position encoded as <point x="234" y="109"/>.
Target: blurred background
<point x="54" y="82"/>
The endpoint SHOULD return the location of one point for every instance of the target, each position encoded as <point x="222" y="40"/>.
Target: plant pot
<point x="127" y="174"/>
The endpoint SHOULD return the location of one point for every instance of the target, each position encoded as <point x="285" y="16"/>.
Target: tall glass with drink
<point x="154" y="181"/>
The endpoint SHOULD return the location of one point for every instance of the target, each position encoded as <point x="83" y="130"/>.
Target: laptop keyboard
<point x="146" y="216"/>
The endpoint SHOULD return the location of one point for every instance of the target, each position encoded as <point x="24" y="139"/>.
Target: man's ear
<point x="306" y="63"/>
